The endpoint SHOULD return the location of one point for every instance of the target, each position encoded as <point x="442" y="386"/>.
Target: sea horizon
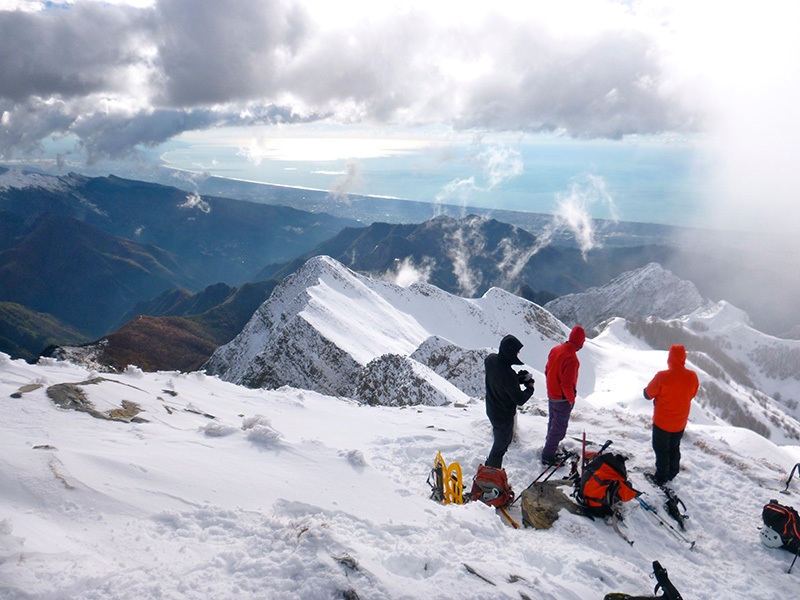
<point x="634" y="182"/>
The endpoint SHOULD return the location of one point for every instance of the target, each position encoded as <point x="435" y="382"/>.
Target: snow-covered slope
<point x="16" y="179"/>
<point x="753" y="377"/>
<point x="333" y="331"/>
<point x="325" y="323"/>
<point x="649" y="291"/>
<point x="221" y="491"/>
<point x="172" y="485"/>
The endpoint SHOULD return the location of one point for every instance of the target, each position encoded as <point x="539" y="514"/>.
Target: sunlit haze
<point x="263" y="80"/>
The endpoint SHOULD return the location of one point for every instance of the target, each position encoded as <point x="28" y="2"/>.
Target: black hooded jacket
<point x="503" y="393"/>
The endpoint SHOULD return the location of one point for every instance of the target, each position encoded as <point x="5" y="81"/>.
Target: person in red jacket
<point x="671" y="392"/>
<point x="561" y="373"/>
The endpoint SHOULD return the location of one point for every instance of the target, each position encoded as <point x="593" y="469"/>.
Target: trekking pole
<point x="551" y="468"/>
<point x="788" y="481"/>
<point x="793" y="560"/>
<point x="538" y="477"/>
<point x="558" y="466"/>
<point x="583" y="452"/>
<point x="659" y="518"/>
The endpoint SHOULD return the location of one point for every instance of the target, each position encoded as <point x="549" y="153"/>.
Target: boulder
<point x="542" y="502"/>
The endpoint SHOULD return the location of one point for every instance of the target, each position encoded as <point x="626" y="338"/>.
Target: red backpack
<point x="490" y="486"/>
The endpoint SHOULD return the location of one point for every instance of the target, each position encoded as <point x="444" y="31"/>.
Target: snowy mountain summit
<point x="328" y="329"/>
<point x="649" y="291"/>
<point x="217" y="490"/>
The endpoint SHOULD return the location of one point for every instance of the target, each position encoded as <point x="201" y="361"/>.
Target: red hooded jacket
<point x="562" y="367"/>
<point x="672" y="392"/>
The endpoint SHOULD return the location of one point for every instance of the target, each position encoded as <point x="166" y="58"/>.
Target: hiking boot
<point x="651" y="477"/>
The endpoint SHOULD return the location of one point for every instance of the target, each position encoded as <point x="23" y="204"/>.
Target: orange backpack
<point x="604" y="482"/>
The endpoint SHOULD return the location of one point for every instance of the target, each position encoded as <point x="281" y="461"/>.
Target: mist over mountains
<point x="81" y="257"/>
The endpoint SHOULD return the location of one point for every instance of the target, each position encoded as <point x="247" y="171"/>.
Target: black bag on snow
<point x="782" y="527"/>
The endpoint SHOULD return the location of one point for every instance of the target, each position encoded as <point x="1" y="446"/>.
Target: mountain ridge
<point x="324" y="327"/>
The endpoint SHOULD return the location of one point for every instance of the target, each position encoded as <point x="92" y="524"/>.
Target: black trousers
<point x="503" y="431"/>
<point x="667" y="447"/>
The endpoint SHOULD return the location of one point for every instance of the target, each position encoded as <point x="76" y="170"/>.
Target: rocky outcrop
<point x="461" y="367"/>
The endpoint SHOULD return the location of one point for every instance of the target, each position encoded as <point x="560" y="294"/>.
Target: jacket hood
<point x="509" y="348"/>
<point x="677" y="356"/>
<point x="577" y="336"/>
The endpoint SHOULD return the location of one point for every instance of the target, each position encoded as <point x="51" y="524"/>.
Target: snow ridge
<point x="648" y="291"/>
<point x="322" y="328"/>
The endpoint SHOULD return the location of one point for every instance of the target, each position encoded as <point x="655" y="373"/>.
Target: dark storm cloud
<point x="117" y="77"/>
<point x="68" y="53"/>
<point x="213" y="51"/>
<point x="114" y="136"/>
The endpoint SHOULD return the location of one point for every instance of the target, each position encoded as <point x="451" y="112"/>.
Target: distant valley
<point x="82" y="258"/>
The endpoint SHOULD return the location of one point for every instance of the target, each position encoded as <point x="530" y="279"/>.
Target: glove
<point x="523" y="376"/>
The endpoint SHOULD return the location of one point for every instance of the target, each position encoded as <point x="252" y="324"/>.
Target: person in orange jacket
<point x="561" y="373"/>
<point x="672" y="392"/>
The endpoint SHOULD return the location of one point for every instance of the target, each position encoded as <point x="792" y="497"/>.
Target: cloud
<point x="195" y="201"/>
<point x="457" y="192"/>
<point x="500" y="163"/>
<point x="407" y="272"/>
<point x="344" y="185"/>
<point x="572" y="214"/>
<point x="154" y="71"/>
<point x="497" y="163"/>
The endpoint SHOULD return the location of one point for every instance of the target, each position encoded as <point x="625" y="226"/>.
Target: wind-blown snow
<point x="226" y="492"/>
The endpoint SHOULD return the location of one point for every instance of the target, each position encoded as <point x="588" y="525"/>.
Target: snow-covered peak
<point x="17" y="179"/>
<point x="324" y="323"/>
<point x="648" y="291"/>
<point x="720" y="316"/>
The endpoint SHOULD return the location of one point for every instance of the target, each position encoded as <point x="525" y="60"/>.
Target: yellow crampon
<point x="448" y="487"/>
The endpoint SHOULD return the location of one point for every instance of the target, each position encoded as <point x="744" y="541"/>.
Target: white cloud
<point x="250" y="61"/>
<point x="582" y="68"/>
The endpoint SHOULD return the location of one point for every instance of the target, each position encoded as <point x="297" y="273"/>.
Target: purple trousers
<point x="559" y="412"/>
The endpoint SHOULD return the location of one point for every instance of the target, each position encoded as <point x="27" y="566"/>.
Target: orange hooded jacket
<point x="672" y="392"/>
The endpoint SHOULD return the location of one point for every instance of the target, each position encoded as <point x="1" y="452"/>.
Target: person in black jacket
<point x="503" y="395"/>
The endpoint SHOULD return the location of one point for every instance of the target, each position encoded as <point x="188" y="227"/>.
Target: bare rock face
<point x="299" y="356"/>
<point x="461" y="367"/>
<point x="394" y="380"/>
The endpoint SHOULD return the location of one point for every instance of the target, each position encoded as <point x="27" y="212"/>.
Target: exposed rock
<point x="72" y="397"/>
<point x="393" y="380"/>
<point x="461" y="367"/>
<point x="542" y="502"/>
